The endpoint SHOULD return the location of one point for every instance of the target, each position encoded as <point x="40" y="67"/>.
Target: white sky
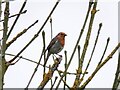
<point x="68" y="17"/>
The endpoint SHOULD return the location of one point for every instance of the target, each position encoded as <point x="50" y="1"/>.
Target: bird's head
<point x="62" y="34"/>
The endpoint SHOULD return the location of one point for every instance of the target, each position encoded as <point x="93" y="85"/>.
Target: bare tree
<point x="47" y="76"/>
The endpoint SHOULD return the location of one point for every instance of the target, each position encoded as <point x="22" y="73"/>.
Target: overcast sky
<point x="68" y="17"/>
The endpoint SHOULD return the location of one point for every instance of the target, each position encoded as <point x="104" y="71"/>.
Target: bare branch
<point x="54" y="83"/>
<point x="43" y="36"/>
<point x="20" y="34"/>
<point x="104" y="51"/>
<point x="100" y="66"/>
<point x="3" y="46"/>
<point x="51" y="28"/>
<point x="15" y="15"/>
<point x="49" y="75"/>
<point x="117" y="75"/>
<point x="17" y="18"/>
<point x="63" y="80"/>
<point x="93" y="12"/>
<point x="35" y="70"/>
<point x="65" y="67"/>
<point x="100" y="25"/>
<point x="60" y="71"/>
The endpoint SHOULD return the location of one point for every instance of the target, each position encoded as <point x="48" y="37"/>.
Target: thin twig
<point x="100" y="66"/>
<point x="65" y="66"/>
<point x="25" y="59"/>
<point x="17" y="18"/>
<point x="79" y="56"/>
<point x="20" y="34"/>
<point x="117" y="75"/>
<point x="64" y="81"/>
<point x="78" y="71"/>
<point x="54" y="83"/>
<point x="69" y="72"/>
<point x="43" y="36"/>
<point x="60" y="71"/>
<point x="81" y="33"/>
<point x="104" y="51"/>
<point x="14" y="62"/>
<point x="35" y="70"/>
<point x="51" y="82"/>
<point x="51" y="78"/>
<point x="15" y="15"/>
<point x="51" y="28"/>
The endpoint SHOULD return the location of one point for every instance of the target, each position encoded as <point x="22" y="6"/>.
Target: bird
<point x="55" y="45"/>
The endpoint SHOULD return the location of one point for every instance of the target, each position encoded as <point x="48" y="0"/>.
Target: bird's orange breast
<point x="62" y="40"/>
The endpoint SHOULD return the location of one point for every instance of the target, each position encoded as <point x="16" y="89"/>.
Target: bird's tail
<point x="46" y="59"/>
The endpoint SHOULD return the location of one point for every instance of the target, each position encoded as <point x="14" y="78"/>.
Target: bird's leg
<point x="54" y="55"/>
<point x="59" y="55"/>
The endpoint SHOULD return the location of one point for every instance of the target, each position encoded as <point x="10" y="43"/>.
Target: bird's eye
<point x="61" y="34"/>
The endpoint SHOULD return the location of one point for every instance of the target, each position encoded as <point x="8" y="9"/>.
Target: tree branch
<point x="3" y="66"/>
<point x="100" y="25"/>
<point x="49" y="75"/>
<point x="16" y="18"/>
<point x="100" y="66"/>
<point x="117" y="75"/>
<point x="20" y="34"/>
<point x="15" y="15"/>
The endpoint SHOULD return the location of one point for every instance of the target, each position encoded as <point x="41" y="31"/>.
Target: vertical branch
<point x="65" y="67"/>
<point x="78" y="71"/>
<point x="0" y="8"/>
<point x="93" y="12"/>
<point x="51" y="28"/>
<point x="5" y="26"/>
<point x="54" y="83"/>
<point x="43" y="35"/>
<point x="51" y="36"/>
<point x="79" y="56"/>
<point x="100" y="25"/>
<point x="81" y="33"/>
<point x="116" y="81"/>
<point x="3" y="66"/>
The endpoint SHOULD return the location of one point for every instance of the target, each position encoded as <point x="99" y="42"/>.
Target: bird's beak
<point x="65" y="34"/>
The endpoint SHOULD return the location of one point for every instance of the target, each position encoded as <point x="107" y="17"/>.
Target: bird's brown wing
<point x="51" y="43"/>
